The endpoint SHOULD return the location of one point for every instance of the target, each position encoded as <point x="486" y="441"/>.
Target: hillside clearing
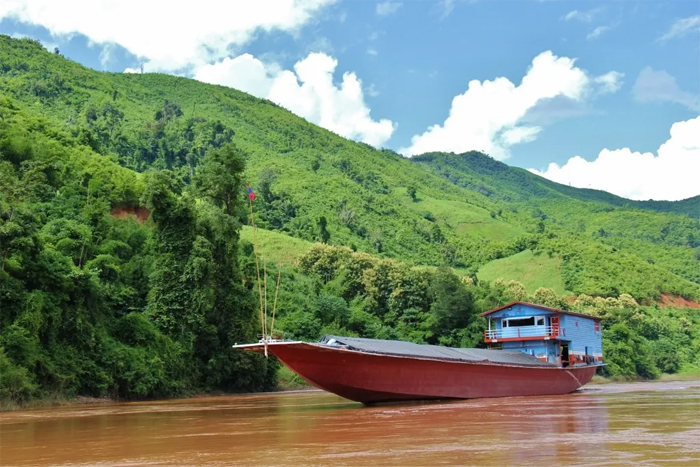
<point x="276" y="246"/>
<point x="532" y="270"/>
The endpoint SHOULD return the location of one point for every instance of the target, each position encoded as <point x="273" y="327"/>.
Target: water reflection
<point x="613" y="425"/>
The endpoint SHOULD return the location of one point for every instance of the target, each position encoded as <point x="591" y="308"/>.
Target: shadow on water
<point x="647" y="424"/>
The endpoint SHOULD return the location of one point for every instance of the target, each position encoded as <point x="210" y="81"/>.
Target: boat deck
<point x="409" y="349"/>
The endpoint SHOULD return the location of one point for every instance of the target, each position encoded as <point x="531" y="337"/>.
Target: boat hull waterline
<point x="373" y="378"/>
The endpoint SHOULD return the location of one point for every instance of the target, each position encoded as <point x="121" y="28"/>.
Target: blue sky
<point x="619" y="75"/>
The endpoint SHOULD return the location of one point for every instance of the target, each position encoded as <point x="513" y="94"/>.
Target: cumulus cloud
<point x="244" y="72"/>
<point x="670" y="174"/>
<point x="387" y="8"/>
<point x="491" y="115"/>
<point x="188" y="33"/>
<point x="681" y="27"/>
<point x="659" y="86"/>
<point x="308" y="91"/>
<point x="548" y="111"/>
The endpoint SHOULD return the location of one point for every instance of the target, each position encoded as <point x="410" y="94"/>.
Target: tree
<point x="546" y="297"/>
<point x="324" y="234"/>
<point x="411" y="191"/>
<point x="218" y="177"/>
<point x="169" y="111"/>
<point x="330" y="309"/>
<point x="174" y="230"/>
<point x="453" y="304"/>
<point x="516" y="291"/>
<point x="436" y="235"/>
<point x="267" y="178"/>
<point x="18" y="224"/>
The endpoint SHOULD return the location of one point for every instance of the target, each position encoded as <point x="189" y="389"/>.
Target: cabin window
<point x="518" y="322"/>
<point x="597" y="326"/>
<point x="540" y="320"/>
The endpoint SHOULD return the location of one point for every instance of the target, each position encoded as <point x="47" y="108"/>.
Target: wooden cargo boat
<point x="534" y="350"/>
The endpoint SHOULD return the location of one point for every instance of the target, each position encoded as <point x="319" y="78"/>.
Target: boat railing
<point x="521" y="332"/>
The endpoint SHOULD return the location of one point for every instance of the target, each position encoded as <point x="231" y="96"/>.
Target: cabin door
<point x="554" y="323"/>
<point x="565" y="355"/>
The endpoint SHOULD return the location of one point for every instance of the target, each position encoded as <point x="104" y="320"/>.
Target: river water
<point x="636" y="424"/>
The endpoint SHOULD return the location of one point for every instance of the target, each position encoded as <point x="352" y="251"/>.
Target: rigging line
<point x="265" y="276"/>
<point x="257" y="268"/>
<point x="277" y="289"/>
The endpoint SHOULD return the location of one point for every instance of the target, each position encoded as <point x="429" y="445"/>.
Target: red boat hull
<point x="371" y="378"/>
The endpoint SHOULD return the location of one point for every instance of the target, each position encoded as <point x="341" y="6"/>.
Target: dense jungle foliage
<point x="122" y="198"/>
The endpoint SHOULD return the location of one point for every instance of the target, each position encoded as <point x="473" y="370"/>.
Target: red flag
<point x="251" y="194"/>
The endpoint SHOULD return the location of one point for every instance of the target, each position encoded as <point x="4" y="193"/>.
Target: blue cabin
<point x="557" y="336"/>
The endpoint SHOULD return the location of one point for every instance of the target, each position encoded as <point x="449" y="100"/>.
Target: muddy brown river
<point x="636" y="424"/>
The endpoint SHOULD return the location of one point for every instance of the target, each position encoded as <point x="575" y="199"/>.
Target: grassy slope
<point x="533" y="271"/>
<point x="276" y="247"/>
<point x="661" y="238"/>
<point x="462" y="202"/>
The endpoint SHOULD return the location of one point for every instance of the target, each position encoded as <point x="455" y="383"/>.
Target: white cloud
<point x="244" y="72"/>
<point x="387" y="8"/>
<point x="188" y="33"/>
<point x="491" y="115"/>
<point x="308" y="91"/>
<point x="372" y="51"/>
<point x="551" y="110"/>
<point x="659" y="86"/>
<point x="583" y="16"/>
<point x="670" y="174"/>
<point x="597" y="32"/>
<point x="610" y="82"/>
<point x="681" y="27"/>
<point x="521" y="134"/>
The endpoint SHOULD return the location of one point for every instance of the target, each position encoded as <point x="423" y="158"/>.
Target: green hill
<point x="496" y="179"/>
<point x="468" y="209"/>
<point x="95" y="302"/>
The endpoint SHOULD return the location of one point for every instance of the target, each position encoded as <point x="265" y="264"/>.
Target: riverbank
<point x="288" y="383"/>
<point x="664" y="378"/>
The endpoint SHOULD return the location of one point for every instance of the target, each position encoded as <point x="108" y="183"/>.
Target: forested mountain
<point x="95" y="300"/>
<point x="515" y="184"/>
